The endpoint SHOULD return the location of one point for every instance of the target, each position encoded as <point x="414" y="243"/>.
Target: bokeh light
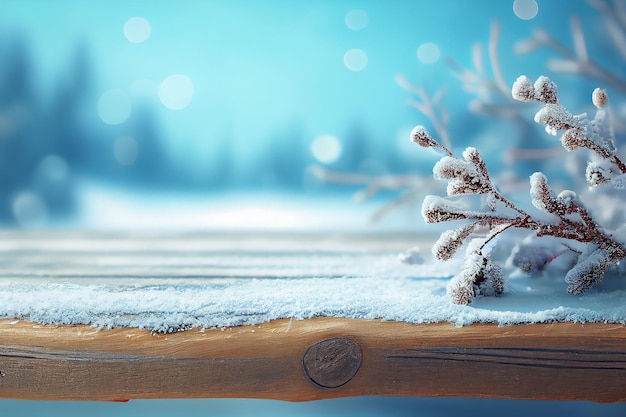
<point x="355" y="59"/>
<point x="176" y="92"/>
<point x="125" y="150"/>
<point x="356" y="19"/>
<point x="29" y="209"/>
<point x="114" y="106"/>
<point x="326" y="149"/>
<point x="428" y="53"/>
<point x="525" y="9"/>
<point x="137" y="29"/>
<point x="53" y="168"/>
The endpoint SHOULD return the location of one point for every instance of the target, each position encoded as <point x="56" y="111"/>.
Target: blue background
<point x="86" y="108"/>
<point x="269" y="78"/>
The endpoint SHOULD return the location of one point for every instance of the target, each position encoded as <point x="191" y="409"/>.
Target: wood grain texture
<point x="565" y="361"/>
<point x="284" y="359"/>
<point x="127" y="257"/>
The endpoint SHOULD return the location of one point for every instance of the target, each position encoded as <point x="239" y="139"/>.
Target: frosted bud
<point x="572" y="139"/>
<point x="450" y="241"/>
<point x="420" y="136"/>
<point x="600" y="172"/>
<point x="556" y="117"/>
<point x="436" y="210"/>
<point x="523" y="89"/>
<point x="588" y="271"/>
<point x="599" y="98"/>
<point x="595" y="176"/>
<point x="470" y="154"/>
<point x="479" y="276"/>
<point x="566" y="196"/>
<point x="466" y="176"/>
<point x="545" y="90"/>
<point x="541" y="193"/>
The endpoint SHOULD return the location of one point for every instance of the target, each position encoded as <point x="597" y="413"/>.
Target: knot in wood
<point x="331" y="363"/>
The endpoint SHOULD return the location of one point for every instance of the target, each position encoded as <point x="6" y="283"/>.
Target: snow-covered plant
<point x="563" y="217"/>
<point x="581" y="56"/>
<point x="577" y="60"/>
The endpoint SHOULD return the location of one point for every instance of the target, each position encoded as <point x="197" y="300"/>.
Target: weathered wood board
<point x="294" y="360"/>
<point x="314" y="359"/>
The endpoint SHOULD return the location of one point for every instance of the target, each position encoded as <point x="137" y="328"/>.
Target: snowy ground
<point x="269" y="260"/>
<point x="171" y="281"/>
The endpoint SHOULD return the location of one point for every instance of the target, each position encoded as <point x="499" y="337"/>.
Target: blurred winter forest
<point x="46" y="145"/>
<point x="306" y="99"/>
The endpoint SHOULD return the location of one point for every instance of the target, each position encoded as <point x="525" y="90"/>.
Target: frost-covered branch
<point x="409" y="186"/>
<point x="493" y="98"/>
<point x="430" y="107"/>
<point x="580" y="132"/>
<point x="576" y="60"/>
<point x="479" y="82"/>
<point x="563" y="216"/>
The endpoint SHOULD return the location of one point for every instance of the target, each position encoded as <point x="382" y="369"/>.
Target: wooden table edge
<point x="301" y="360"/>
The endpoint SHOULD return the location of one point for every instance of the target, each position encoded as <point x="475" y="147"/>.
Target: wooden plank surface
<point x="564" y="361"/>
<point x="115" y="257"/>
<point x="294" y="360"/>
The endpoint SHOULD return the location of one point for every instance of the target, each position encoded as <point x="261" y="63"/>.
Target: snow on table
<point x="168" y="281"/>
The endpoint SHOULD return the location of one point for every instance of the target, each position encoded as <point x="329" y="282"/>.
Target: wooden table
<point x="295" y="360"/>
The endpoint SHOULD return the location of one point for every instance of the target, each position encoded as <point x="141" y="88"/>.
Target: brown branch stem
<point x="496" y="233"/>
<point x="620" y="164"/>
<point x="508" y="203"/>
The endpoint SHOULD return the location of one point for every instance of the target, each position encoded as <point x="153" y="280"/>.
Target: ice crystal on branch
<point x="542" y="196"/>
<point x="589" y="270"/>
<point x="565" y="217"/>
<point x="580" y="132"/>
<point x="467" y="175"/>
<point x="479" y="276"/>
<point x="451" y="240"/>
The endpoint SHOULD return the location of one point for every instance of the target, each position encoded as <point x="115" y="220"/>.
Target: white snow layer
<point x="363" y="286"/>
